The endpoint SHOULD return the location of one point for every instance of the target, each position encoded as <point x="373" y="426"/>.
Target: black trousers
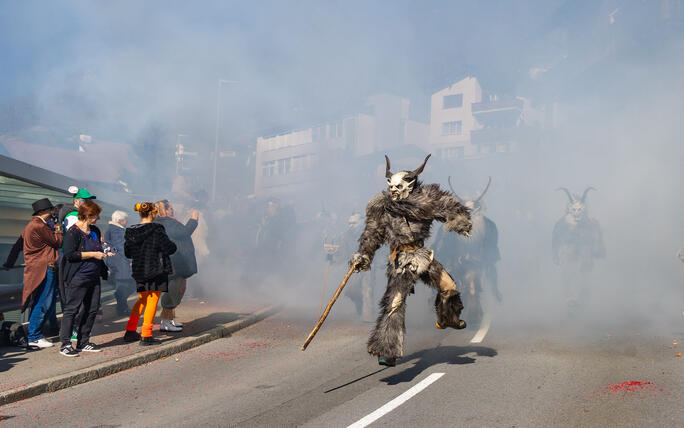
<point x="79" y="292"/>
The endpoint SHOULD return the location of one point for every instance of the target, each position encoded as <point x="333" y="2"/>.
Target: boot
<point x="131" y="336"/>
<point x="387" y="361"/>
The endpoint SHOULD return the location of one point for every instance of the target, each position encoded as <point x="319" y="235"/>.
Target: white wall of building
<point x="451" y="122"/>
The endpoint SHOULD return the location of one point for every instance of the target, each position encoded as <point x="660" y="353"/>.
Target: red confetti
<point x="631" y="386"/>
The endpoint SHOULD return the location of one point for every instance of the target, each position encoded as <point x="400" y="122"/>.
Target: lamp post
<point x="216" y="153"/>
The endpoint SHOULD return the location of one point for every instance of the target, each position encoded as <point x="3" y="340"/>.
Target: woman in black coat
<point x="149" y="248"/>
<point x="82" y="269"/>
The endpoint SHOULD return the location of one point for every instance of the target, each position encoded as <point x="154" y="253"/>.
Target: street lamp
<point x="216" y="153"/>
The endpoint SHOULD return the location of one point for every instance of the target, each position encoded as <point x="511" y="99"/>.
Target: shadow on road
<point x="9" y="357"/>
<point x="191" y="328"/>
<point x="442" y="354"/>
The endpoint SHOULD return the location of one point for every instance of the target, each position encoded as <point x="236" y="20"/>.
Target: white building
<point x="466" y="122"/>
<point x="452" y="120"/>
<point x="288" y="162"/>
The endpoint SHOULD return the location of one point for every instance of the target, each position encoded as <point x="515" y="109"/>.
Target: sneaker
<point x="42" y="343"/>
<point x="89" y="347"/>
<point x="167" y="325"/>
<point x="131" y="336"/>
<point x="68" y="351"/>
<point x="387" y="361"/>
<point x="177" y="323"/>
<point x="147" y="341"/>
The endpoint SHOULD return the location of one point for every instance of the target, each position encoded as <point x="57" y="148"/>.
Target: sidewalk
<point x="25" y="374"/>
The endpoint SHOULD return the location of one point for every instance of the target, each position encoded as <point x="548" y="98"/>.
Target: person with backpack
<point x="149" y="248"/>
<point x="82" y="267"/>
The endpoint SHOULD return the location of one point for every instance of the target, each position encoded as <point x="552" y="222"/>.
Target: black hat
<point x="41" y="205"/>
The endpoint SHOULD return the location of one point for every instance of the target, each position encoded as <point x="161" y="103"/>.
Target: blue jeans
<point x="44" y="306"/>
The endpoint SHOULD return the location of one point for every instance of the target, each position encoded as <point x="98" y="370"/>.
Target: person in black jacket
<point x="184" y="262"/>
<point x="82" y="267"/>
<point x="149" y="248"/>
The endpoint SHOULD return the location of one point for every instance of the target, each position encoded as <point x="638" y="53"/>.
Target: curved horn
<point x="568" y="193"/>
<point x="584" y="195"/>
<point x="453" y="191"/>
<point x="419" y="170"/>
<point x="484" y="191"/>
<point x="388" y="174"/>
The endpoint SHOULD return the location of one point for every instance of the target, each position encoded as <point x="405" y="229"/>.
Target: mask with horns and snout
<point x="402" y="183"/>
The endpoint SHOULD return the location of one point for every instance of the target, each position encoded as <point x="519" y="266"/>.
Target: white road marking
<point x="382" y="411"/>
<point x="482" y="332"/>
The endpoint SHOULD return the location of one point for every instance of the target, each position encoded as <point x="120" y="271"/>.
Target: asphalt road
<point x="544" y="376"/>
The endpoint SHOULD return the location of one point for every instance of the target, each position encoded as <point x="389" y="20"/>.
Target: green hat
<point x="83" y="194"/>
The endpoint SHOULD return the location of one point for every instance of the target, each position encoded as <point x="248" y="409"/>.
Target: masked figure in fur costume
<point x="401" y="217"/>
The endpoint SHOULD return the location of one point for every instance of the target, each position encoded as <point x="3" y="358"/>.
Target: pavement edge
<point x="114" y="366"/>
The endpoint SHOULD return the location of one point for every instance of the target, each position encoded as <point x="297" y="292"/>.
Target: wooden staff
<point x="327" y="309"/>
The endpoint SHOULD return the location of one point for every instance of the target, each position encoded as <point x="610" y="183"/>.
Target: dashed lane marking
<point x="382" y="411"/>
<point x="482" y="332"/>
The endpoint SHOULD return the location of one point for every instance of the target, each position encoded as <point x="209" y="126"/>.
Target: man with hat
<point x="68" y="215"/>
<point x="41" y="243"/>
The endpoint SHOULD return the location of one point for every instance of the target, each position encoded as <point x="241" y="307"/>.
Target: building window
<point x="284" y="166"/>
<point x="268" y="168"/>
<point x="452" y="128"/>
<point x="452" y="153"/>
<point x="453" y="101"/>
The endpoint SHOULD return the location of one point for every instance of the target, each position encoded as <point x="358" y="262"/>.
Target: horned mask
<point x="402" y="183"/>
<point x="577" y="207"/>
<point x="475" y="205"/>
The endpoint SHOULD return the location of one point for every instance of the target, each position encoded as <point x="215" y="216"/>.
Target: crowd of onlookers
<point x="67" y="257"/>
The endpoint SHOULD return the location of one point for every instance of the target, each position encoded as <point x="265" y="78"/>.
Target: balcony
<point x="498" y="105"/>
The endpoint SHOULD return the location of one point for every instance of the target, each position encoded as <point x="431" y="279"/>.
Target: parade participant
<point x="40" y="243"/>
<point x="576" y="243"/>
<point x="68" y="214"/>
<point x="401" y="217"/>
<point x="82" y="268"/>
<point x="183" y="261"/>
<point x="119" y="266"/>
<point x="472" y="260"/>
<point x="149" y="248"/>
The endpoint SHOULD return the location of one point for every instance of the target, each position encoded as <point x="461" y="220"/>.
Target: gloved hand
<point x="360" y="261"/>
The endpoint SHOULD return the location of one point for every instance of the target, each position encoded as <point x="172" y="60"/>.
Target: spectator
<point x="40" y="275"/>
<point x="149" y="248"/>
<point x="82" y="267"/>
<point x="183" y="261"/>
<point x="68" y="214"/>
<point x="119" y="265"/>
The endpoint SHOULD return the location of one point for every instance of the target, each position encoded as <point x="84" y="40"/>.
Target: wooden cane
<point x="327" y="309"/>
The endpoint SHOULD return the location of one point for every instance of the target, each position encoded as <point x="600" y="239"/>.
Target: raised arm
<point x="448" y="209"/>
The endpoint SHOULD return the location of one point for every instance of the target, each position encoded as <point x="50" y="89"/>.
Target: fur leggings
<point x="387" y="339"/>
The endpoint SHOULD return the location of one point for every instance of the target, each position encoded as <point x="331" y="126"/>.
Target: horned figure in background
<point x="401" y="217"/>
<point x="473" y="260"/>
<point x="576" y="243"/>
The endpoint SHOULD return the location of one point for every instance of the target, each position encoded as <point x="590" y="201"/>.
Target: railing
<point x="500" y="104"/>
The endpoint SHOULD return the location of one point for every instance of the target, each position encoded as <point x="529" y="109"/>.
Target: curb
<point x="110" y="367"/>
